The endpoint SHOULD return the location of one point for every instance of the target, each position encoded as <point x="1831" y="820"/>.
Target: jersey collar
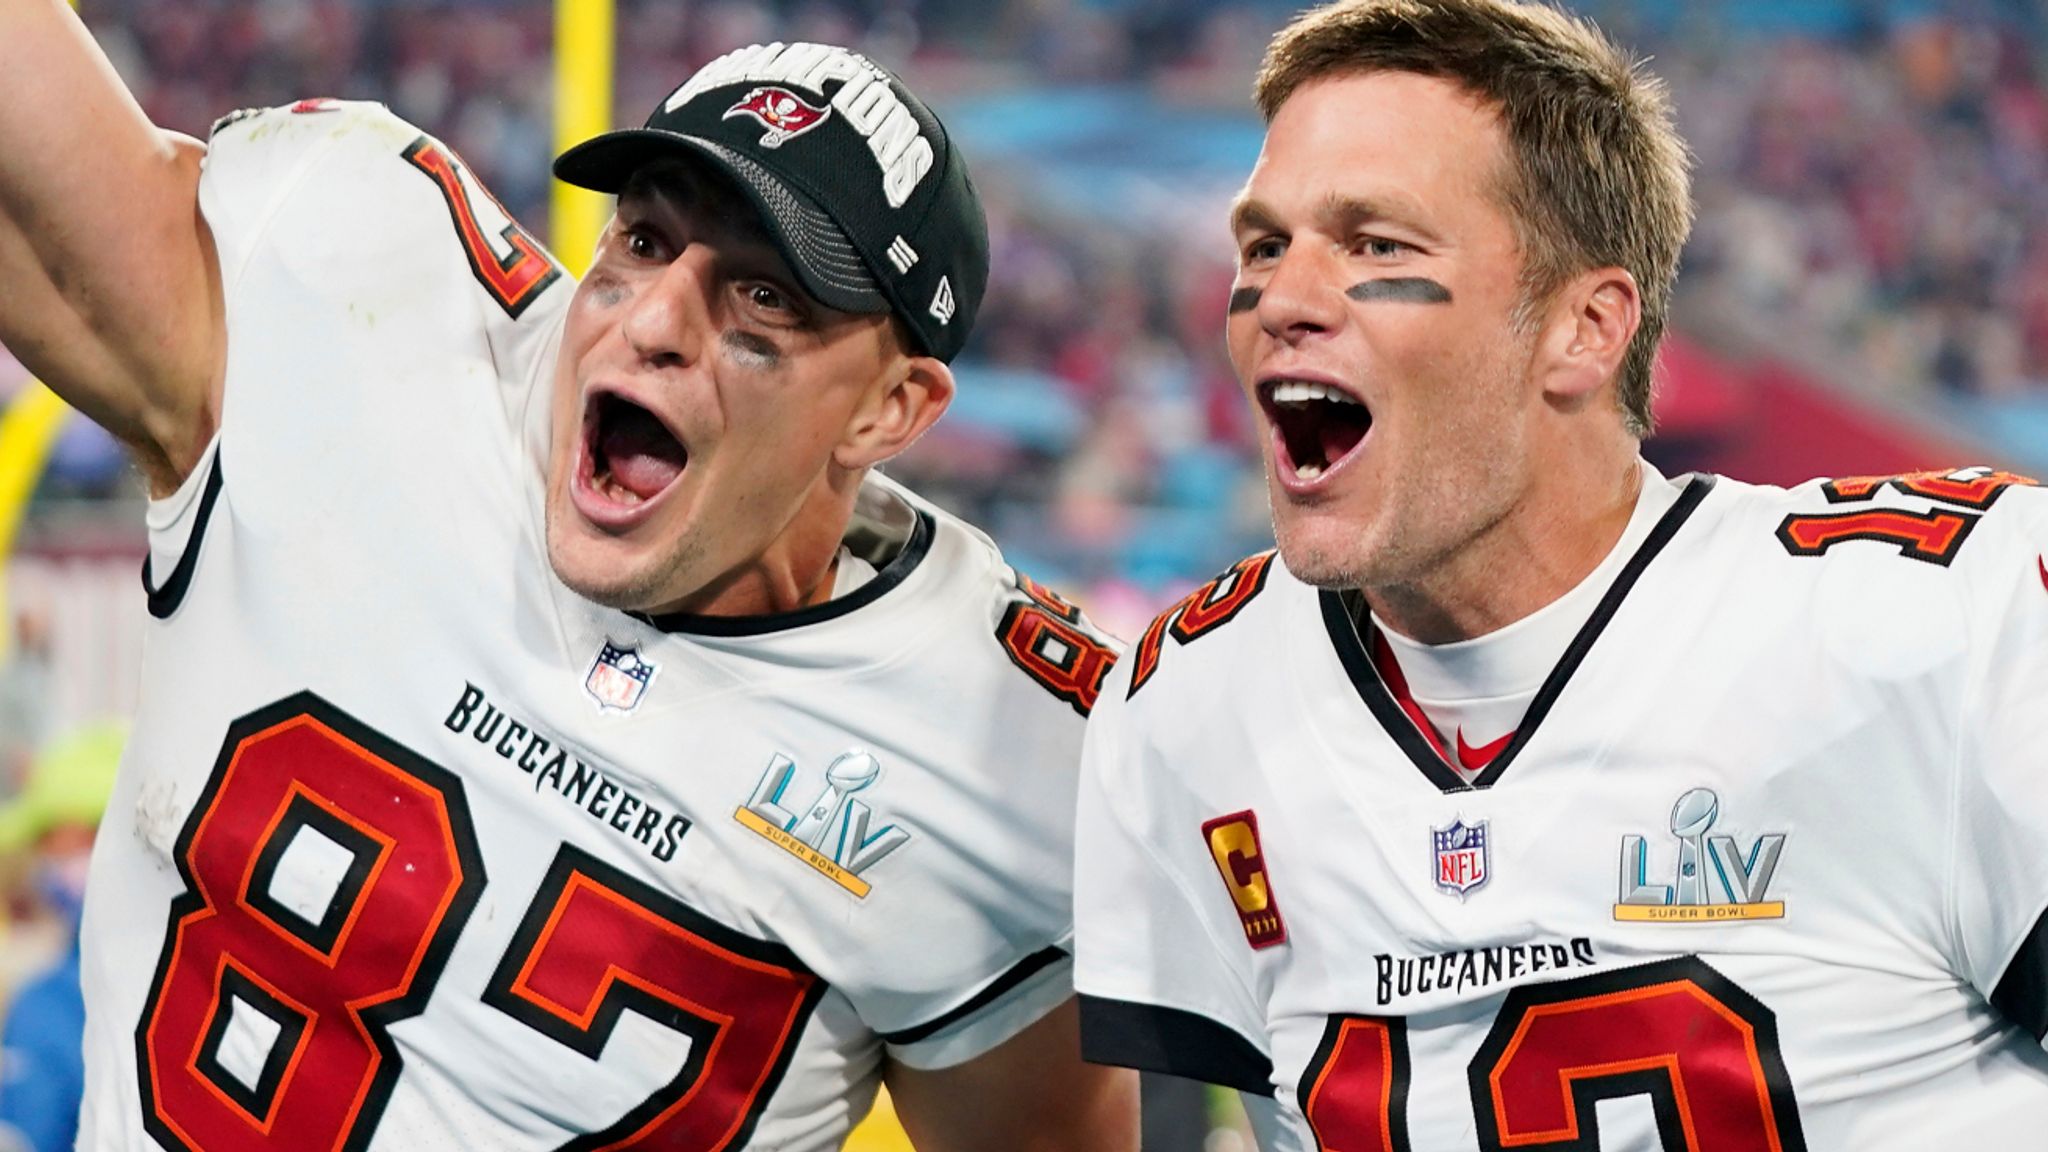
<point x="897" y="570"/>
<point x="1340" y="621"/>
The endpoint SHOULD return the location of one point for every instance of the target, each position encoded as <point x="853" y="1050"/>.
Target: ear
<point x="908" y="399"/>
<point x="1586" y="333"/>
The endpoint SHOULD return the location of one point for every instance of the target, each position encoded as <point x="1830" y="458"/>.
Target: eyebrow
<point x="1363" y="209"/>
<point x="1248" y="214"/>
<point x="1337" y="213"/>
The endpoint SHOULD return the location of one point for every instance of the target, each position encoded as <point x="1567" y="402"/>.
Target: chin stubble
<point x="633" y="591"/>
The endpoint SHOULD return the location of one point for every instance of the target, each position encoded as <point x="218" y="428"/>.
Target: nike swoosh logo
<point x="2043" y="562"/>
<point x="1483" y="755"/>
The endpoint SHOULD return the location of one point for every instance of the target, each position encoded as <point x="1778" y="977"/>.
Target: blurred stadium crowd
<point x="1873" y="177"/>
<point x="1872" y="182"/>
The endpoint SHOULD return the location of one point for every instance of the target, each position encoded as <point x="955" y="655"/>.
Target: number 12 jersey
<point x="1762" y="868"/>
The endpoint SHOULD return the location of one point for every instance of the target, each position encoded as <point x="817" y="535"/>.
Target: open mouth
<point x="1318" y="426"/>
<point x="629" y="455"/>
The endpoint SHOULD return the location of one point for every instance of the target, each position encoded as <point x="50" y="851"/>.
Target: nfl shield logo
<point x="1461" y="857"/>
<point x="618" y="678"/>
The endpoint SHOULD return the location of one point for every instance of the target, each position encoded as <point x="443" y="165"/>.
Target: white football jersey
<point x="1763" y="867"/>
<point x="415" y="849"/>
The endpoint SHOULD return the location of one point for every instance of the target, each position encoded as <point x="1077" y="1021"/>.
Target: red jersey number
<point x="1702" y="1049"/>
<point x="379" y="869"/>
<point x="329" y="872"/>
<point x="1055" y="645"/>
<point x="1933" y="537"/>
<point x="1200" y="612"/>
<point x="596" y="942"/>
<point x="505" y="260"/>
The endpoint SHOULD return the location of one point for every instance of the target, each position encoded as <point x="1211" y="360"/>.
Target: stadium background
<point x="1866" y="290"/>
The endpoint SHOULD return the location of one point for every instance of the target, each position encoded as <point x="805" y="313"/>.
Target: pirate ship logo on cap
<point x="785" y="114"/>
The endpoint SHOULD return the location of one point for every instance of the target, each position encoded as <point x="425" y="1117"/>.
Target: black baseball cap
<point x="860" y="186"/>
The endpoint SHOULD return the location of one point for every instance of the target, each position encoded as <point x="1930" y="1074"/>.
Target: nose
<point x="1304" y="295"/>
<point x="667" y="317"/>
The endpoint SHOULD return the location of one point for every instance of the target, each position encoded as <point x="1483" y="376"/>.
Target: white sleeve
<point x="1159" y="990"/>
<point x="1010" y="1003"/>
<point x="1010" y="826"/>
<point x="256" y="159"/>
<point x="1999" y="860"/>
<point x="361" y="200"/>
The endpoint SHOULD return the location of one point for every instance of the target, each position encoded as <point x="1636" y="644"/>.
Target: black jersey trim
<point x="2022" y="992"/>
<point x="1152" y="1038"/>
<point x="1019" y="972"/>
<point x="165" y="600"/>
<point x="1338" y="620"/>
<point x="895" y="572"/>
<point x="1365" y="679"/>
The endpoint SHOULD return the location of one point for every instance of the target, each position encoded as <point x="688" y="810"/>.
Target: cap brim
<point x="815" y="247"/>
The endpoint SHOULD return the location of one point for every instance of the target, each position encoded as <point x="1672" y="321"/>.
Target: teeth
<point x="1309" y="471"/>
<point x="618" y="493"/>
<point x="1294" y="392"/>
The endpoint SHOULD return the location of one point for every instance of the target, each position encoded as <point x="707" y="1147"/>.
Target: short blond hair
<point x="1599" y="176"/>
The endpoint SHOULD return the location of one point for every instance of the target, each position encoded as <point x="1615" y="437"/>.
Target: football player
<point x="1531" y="799"/>
<point x="553" y="732"/>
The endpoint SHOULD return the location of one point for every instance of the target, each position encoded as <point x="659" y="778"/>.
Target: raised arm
<point x="109" y="287"/>
<point x="1029" y="1094"/>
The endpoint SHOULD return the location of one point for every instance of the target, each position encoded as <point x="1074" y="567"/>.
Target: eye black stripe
<point x="1401" y="289"/>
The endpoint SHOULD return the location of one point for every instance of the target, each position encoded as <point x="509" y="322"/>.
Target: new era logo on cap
<point x="873" y="209"/>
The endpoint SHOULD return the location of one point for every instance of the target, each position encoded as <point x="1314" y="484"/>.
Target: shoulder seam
<point x="1974" y="691"/>
<point x="280" y="194"/>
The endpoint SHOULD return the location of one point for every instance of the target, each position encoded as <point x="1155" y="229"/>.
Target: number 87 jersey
<point x="413" y="848"/>
<point x="1763" y="868"/>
